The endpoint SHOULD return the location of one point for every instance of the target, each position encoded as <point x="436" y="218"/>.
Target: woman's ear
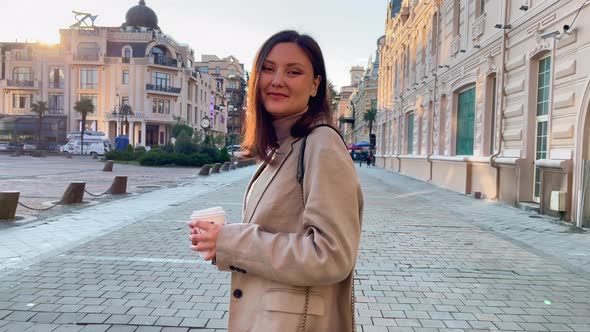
<point x="316" y="83"/>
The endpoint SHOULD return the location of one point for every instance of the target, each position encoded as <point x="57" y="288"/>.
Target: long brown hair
<point x="259" y="134"/>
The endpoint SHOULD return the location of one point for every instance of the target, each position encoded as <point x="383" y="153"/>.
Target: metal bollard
<point x="108" y="166"/>
<point x="225" y="166"/>
<point x="119" y="186"/>
<point x="74" y="193"/>
<point x="8" y="204"/>
<point x="216" y="168"/>
<point x="205" y="169"/>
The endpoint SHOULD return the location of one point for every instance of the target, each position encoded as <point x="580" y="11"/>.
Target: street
<point x="430" y="260"/>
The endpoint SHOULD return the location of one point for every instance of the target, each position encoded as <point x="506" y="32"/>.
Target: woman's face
<point x="287" y="81"/>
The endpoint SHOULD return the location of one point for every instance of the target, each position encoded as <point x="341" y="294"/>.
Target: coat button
<point x="238" y="293"/>
<point x="231" y="267"/>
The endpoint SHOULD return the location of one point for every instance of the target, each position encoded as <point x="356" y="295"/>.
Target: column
<point x="143" y="134"/>
<point x="132" y="133"/>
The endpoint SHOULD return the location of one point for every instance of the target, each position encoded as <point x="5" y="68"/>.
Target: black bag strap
<point x="301" y="161"/>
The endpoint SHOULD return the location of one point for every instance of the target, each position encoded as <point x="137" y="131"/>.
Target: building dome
<point x="141" y="16"/>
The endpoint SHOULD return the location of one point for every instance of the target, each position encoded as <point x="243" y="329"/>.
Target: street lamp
<point x="121" y="112"/>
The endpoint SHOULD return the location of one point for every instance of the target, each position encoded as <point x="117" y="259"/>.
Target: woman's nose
<point x="277" y="79"/>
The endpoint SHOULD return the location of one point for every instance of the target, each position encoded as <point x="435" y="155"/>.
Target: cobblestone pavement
<point x="42" y="181"/>
<point x="430" y="260"/>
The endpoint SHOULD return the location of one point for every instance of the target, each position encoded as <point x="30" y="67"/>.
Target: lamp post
<point x="117" y="113"/>
<point x="121" y="112"/>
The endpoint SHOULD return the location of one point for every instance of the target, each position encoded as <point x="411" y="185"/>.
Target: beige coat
<point x="283" y="246"/>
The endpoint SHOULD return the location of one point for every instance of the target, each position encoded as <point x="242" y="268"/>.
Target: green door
<point x="465" y="122"/>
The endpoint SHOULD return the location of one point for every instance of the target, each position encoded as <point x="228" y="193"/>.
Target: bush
<point x="159" y="158"/>
<point x="129" y="148"/>
<point x="140" y="148"/>
<point x="183" y="144"/>
<point x="178" y="128"/>
<point x="223" y="155"/>
<point x="168" y="147"/>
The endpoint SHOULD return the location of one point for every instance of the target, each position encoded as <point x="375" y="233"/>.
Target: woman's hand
<point x="204" y="238"/>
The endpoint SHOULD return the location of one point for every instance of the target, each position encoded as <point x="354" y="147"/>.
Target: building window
<point x="88" y="78"/>
<point x="456" y="17"/>
<point x="127" y="53"/>
<point x="125" y="78"/>
<point x="410" y="132"/>
<point x="480" y="7"/>
<point x="94" y="99"/>
<point x="231" y="85"/>
<point x="203" y="69"/>
<point x="56" y="103"/>
<point x="232" y="72"/>
<point x="22" y="74"/>
<point x="161" y="106"/>
<point x="217" y="70"/>
<point x="543" y="92"/>
<point x="56" y="77"/>
<point x="465" y="123"/>
<point x="125" y="100"/>
<point x="21" y="101"/>
<point x="161" y="80"/>
<point x="492" y="107"/>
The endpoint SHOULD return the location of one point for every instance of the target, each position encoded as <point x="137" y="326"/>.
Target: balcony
<point x="164" y="89"/>
<point x="88" y="58"/>
<point x="22" y="57"/>
<point x="56" y="111"/>
<point x="164" y="62"/>
<point x="22" y="84"/>
<point x="126" y="60"/>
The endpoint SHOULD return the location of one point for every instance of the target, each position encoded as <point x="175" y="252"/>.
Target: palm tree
<point x="40" y="108"/>
<point x="83" y="106"/>
<point x="126" y="110"/>
<point x="369" y="117"/>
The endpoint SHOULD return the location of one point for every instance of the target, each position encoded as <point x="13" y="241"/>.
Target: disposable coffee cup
<point x="214" y="215"/>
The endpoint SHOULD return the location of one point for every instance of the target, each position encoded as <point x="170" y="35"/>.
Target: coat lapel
<point x="262" y="182"/>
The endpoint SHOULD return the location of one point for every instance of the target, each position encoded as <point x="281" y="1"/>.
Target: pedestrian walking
<point x="369" y="159"/>
<point x="292" y="259"/>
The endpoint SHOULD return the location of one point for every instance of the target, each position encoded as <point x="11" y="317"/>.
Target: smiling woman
<point x="292" y="258"/>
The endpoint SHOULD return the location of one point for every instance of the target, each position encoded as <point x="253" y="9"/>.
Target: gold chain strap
<point x="352" y="306"/>
<point x="300" y="173"/>
<point x="304" y="322"/>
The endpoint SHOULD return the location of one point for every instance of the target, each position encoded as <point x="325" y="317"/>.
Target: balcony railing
<point x="21" y="84"/>
<point x="154" y="87"/>
<point x="126" y="60"/>
<point x="53" y="85"/>
<point x="55" y="111"/>
<point x="23" y="57"/>
<point x="87" y="57"/>
<point x="164" y="61"/>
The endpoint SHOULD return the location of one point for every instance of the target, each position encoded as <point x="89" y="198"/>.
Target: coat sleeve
<point x="325" y="251"/>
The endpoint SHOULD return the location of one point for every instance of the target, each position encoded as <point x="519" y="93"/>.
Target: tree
<point x="126" y="110"/>
<point x="40" y="108"/>
<point x="83" y="106"/>
<point x="369" y="117"/>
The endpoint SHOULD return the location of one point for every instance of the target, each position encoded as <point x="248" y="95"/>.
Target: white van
<point x="93" y="145"/>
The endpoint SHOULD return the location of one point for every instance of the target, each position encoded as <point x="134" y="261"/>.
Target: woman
<point x="292" y="259"/>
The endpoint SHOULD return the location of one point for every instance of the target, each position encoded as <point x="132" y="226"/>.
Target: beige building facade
<point x="489" y="98"/>
<point x="346" y="115"/>
<point x="363" y="99"/>
<point x="135" y="64"/>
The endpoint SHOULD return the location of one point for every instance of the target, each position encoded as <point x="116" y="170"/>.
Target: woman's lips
<point x="277" y="95"/>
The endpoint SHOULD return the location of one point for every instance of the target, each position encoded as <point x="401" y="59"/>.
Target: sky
<point x="346" y="30"/>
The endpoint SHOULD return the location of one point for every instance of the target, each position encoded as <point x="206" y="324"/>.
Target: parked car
<point x="93" y="145"/>
<point x="236" y="149"/>
<point x="7" y="146"/>
<point x="28" y="146"/>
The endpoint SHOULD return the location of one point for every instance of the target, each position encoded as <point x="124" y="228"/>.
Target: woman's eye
<point x="294" y="72"/>
<point x="266" y="69"/>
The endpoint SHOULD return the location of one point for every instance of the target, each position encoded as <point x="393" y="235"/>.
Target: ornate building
<point x="233" y="72"/>
<point x="489" y="97"/>
<point x="135" y="64"/>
